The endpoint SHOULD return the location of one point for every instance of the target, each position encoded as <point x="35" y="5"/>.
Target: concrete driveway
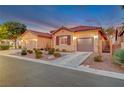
<point x="73" y="59"/>
<point x="15" y="72"/>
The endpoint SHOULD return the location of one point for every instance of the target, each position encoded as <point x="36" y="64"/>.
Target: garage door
<point x="85" y="44"/>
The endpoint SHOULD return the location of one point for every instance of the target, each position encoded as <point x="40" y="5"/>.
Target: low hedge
<point x="4" y="47"/>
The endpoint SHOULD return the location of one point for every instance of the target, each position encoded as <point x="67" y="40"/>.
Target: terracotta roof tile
<point x="41" y="33"/>
<point x="78" y="28"/>
<point x="84" y="28"/>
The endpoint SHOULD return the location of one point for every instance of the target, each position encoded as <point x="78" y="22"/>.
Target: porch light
<point x="74" y="38"/>
<point x="35" y="39"/>
<point x="95" y="37"/>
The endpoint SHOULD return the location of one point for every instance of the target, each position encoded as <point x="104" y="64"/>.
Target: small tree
<point x="3" y="32"/>
<point x="109" y="32"/>
<point x="14" y="30"/>
<point x="122" y="6"/>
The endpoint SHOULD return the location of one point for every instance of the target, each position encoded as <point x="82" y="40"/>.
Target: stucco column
<point x="111" y="50"/>
<point x="100" y="47"/>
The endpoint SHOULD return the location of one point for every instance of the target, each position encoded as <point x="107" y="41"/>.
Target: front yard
<point x="106" y="65"/>
<point x="40" y="54"/>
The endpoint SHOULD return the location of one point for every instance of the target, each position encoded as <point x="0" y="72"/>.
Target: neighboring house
<point x="33" y="39"/>
<point x="119" y="37"/>
<point x="7" y="42"/>
<point x="81" y="38"/>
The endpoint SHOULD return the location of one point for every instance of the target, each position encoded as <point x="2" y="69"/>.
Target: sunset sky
<point x="46" y="18"/>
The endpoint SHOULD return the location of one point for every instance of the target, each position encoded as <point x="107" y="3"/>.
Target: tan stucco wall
<point x="67" y="47"/>
<point x="75" y="36"/>
<point x="122" y="42"/>
<point x="38" y="42"/>
<point x="44" y="42"/>
<point x="84" y="34"/>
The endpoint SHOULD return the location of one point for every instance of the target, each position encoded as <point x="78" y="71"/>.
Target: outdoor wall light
<point x="74" y="38"/>
<point x="35" y="39"/>
<point x="95" y="37"/>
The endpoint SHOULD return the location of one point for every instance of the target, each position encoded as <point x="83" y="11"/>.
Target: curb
<point x="79" y="68"/>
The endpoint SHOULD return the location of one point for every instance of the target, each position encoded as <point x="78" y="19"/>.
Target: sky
<point x="46" y="18"/>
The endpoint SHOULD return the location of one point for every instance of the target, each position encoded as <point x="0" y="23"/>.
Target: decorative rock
<point x="122" y="66"/>
<point x="51" y="57"/>
<point x="87" y="66"/>
<point x="45" y="52"/>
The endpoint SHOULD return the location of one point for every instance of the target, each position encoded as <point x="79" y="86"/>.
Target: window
<point x="63" y="40"/>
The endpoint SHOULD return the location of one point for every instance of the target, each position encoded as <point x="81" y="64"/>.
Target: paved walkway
<point x="73" y="60"/>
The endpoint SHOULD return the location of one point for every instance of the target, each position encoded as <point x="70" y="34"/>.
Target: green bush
<point x="57" y="54"/>
<point x="118" y="57"/>
<point x="34" y="49"/>
<point x="19" y="47"/>
<point x="41" y="49"/>
<point x="30" y="51"/>
<point x="4" y="47"/>
<point x="57" y="50"/>
<point x="98" y="58"/>
<point x="51" y="51"/>
<point x="64" y="50"/>
<point x="38" y="54"/>
<point x="47" y="49"/>
<point x="24" y="51"/>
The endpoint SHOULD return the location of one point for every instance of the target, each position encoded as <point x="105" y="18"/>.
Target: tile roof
<point x="78" y="28"/>
<point x="40" y="33"/>
<point x="84" y="28"/>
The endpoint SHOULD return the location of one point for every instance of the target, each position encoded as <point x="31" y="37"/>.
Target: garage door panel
<point x="85" y="44"/>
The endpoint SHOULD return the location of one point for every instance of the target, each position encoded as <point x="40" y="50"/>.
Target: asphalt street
<point x="19" y="73"/>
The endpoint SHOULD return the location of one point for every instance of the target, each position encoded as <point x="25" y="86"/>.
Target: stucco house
<point x="34" y="39"/>
<point x="81" y="38"/>
<point x="119" y="37"/>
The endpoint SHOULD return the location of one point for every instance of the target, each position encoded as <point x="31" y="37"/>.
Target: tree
<point x="122" y="6"/>
<point x="14" y="30"/>
<point x="3" y="32"/>
<point x="109" y="32"/>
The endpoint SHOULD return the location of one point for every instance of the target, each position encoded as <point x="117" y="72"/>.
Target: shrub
<point x="98" y="58"/>
<point x="34" y="49"/>
<point x="41" y="49"/>
<point x="24" y="51"/>
<point x="51" y="51"/>
<point x="46" y="49"/>
<point x="64" y="50"/>
<point x="19" y="47"/>
<point x="30" y="51"/>
<point x="57" y="54"/>
<point x="118" y="57"/>
<point x="57" y="50"/>
<point x="38" y="54"/>
<point x="4" y="47"/>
